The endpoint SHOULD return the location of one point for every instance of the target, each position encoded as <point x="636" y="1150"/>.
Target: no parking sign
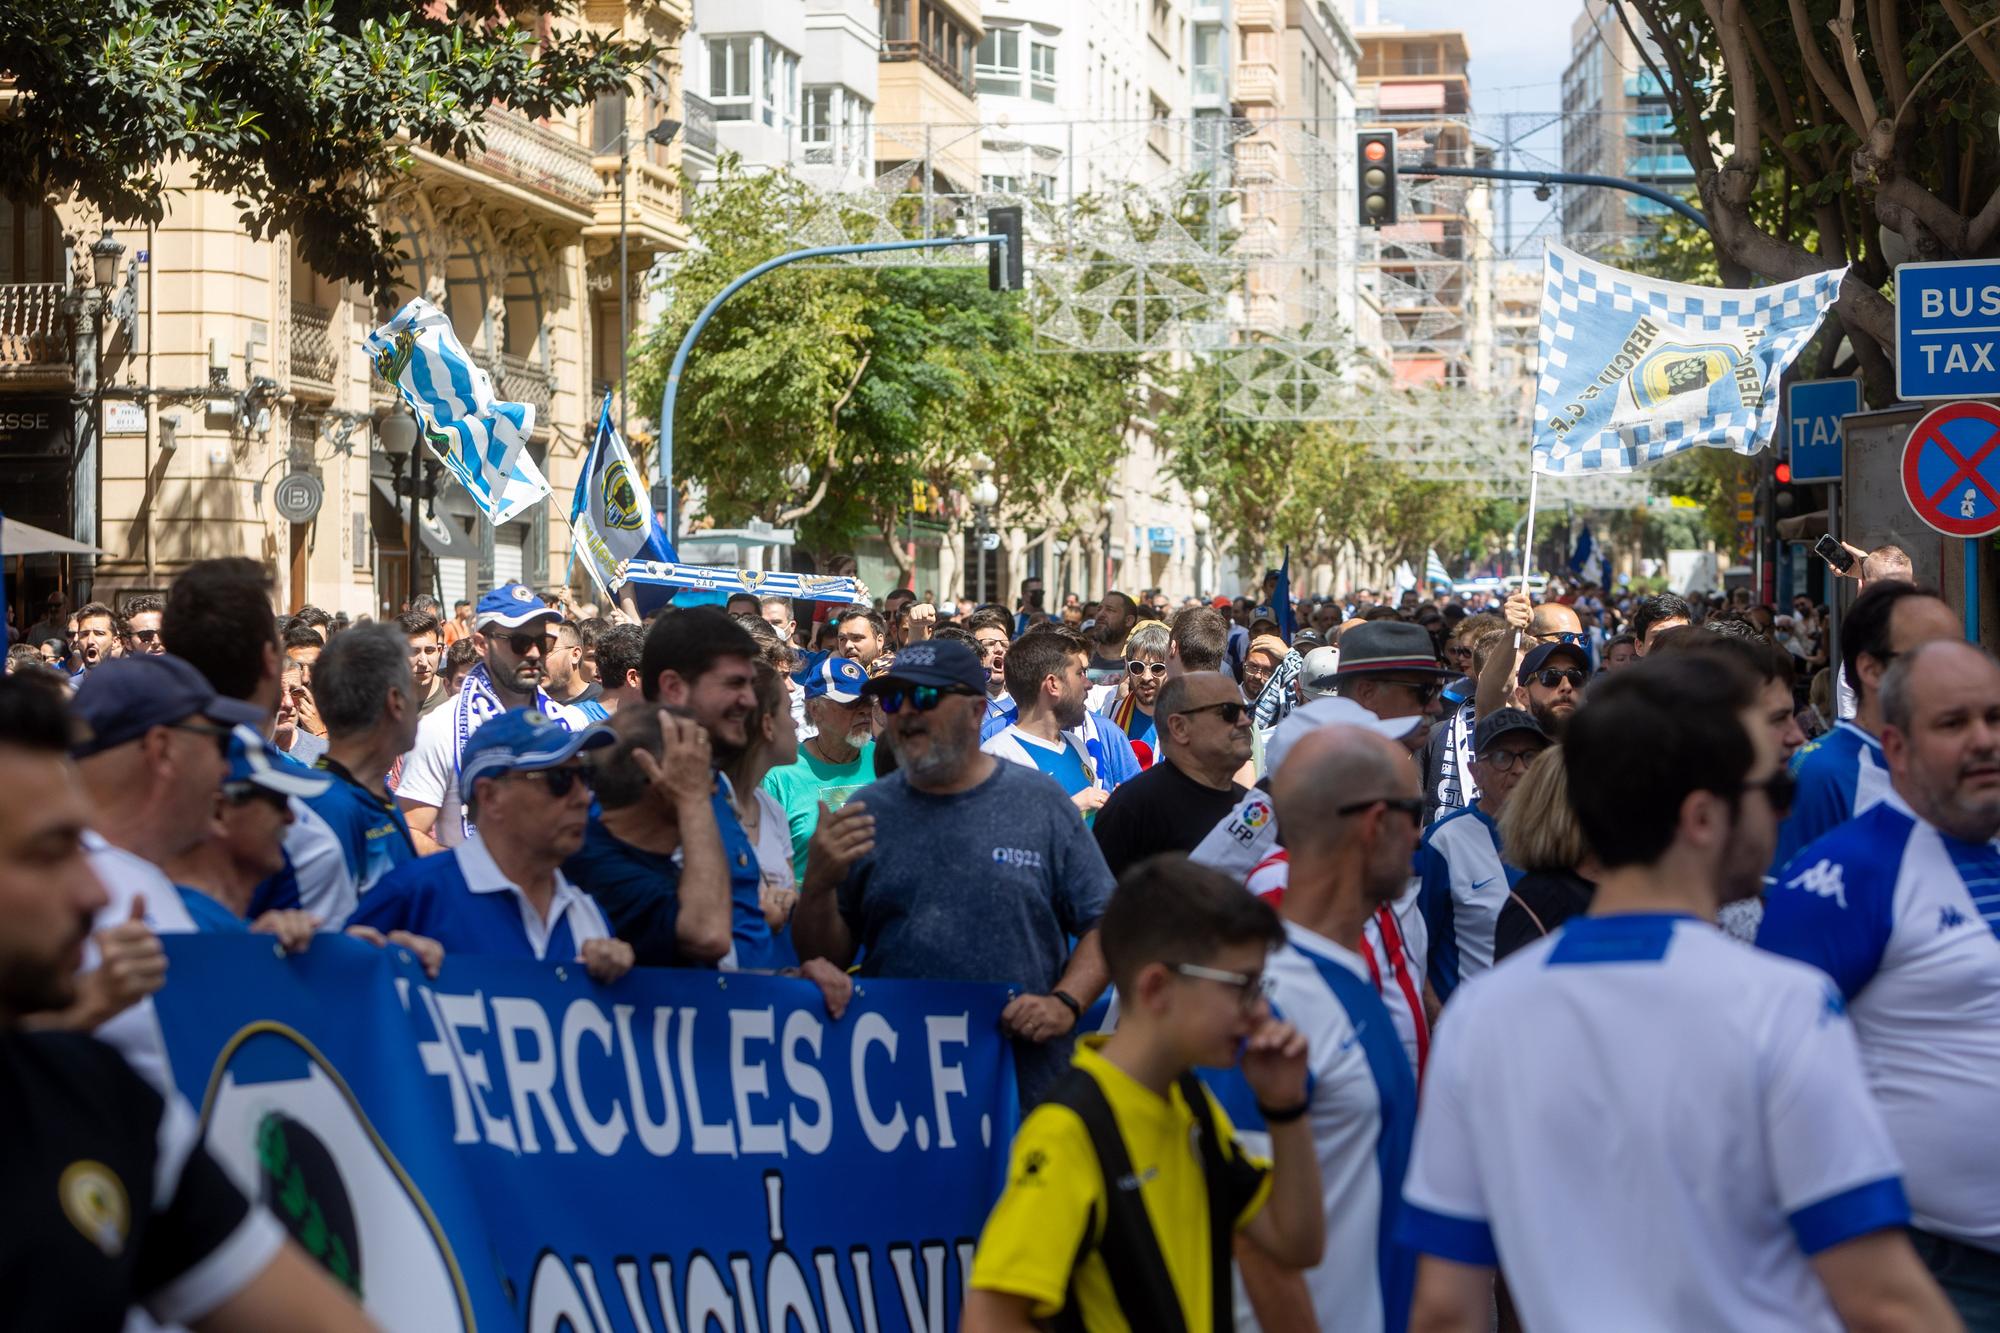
<point x="1951" y="477"/>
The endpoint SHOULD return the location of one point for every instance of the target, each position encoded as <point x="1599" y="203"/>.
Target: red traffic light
<point x="1783" y="474"/>
<point x="1374" y="150"/>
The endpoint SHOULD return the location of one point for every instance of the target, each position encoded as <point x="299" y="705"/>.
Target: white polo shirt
<point x="126" y="877"/>
<point x="1650" y="1127"/>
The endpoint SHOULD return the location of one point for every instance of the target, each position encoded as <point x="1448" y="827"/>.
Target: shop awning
<point x="18" y="538"/>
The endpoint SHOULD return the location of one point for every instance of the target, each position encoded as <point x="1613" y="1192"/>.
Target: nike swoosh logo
<point x="1347" y="1042"/>
<point x="1479" y="884"/>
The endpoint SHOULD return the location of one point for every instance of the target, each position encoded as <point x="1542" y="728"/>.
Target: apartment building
<point x="1617" y="121"/>
<point x="228" y="409"/>
<point x="790" y="82"/>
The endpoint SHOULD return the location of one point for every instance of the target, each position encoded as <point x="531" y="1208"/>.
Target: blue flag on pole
<point x="1288" y="623"/>
<point x="1579" y="559"/>
<point x="477" y="437"/>
<point x="611" y="518"/>
<point x="1634" y="370"/>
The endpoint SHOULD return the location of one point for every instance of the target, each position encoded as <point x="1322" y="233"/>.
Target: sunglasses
<point x="1413" y="806"/>
<point x="242" y="793"/>
<point x="560" y="781"/>
<point x="521" y="644"/>
<point x="1425" y="690"/>
<point x="1231" y="712"/>
<point x="146" y="635"/>
<point x="1779" y="789"/>
<point x="220" y="735"/>
<point x="1563" y="636"/>
<point x="921" y="697"/>
<point x="1550" y="677"/>
<point x="1145" y="668"/>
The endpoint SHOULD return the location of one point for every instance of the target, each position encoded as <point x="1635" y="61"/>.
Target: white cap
<point x="1330" y="712"/>
<point x="1316" y="673"/>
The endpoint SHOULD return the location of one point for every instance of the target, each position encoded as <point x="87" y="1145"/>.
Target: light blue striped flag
<point x="1634" y="370"/>
<point x="477" y="437"/>
<point x="1434" y="570"/>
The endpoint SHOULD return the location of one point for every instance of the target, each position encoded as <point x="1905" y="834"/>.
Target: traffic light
<point x="1006" y="265"/>
<point x="1375" y="161"/>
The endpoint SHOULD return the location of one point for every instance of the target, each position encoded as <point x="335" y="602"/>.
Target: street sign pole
<point x="1972" y="589"/>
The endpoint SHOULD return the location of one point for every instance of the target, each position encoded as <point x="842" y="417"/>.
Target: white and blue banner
<point x="761" y="583"/>
<point x="1634" y="370"/>
<point x="513" y="1146"/>
<point x="611" y="518"/>
<point x="479" y="439"/>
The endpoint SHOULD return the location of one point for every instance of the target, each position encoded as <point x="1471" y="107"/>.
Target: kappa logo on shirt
<point x="1246" y="826"/>
<point x="1825" y="879"/>
<point x="1949" y="918"/>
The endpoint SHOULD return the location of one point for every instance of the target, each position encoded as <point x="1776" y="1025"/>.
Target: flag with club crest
<point x="1434" y="571"/>
<point x="475" y="435"/>
<point x="611" y="519"/>
<point x="1634" y="369"/>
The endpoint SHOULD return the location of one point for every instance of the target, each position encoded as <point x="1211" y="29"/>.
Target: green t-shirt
<point x="801" y="787"/>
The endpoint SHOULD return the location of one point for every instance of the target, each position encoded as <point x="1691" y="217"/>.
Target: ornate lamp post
<point x="1201" y="523"/>
<point x="397" y="433"/>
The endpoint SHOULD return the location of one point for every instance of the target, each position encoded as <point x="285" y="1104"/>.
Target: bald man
<point x="1349" y="805"/>
<point x="1551" y="622"/>
<point x="1899" y="907"/>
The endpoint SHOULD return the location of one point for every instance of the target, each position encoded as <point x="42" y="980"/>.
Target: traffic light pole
<point x="1673" y="201"/>
<point x="664" y="481"/>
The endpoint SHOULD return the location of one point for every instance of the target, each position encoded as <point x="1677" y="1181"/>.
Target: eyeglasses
<point x="1550" y="677"/>
<point x="220" y="735"/>
<point x="1231" y="711"/>
<point x="146" y="635"/>
<point x="1425" y="690"/>
<point x="1145" y="668"/>
<point x="560" y="781"/>
<point x="523" y="644"/>
<point x="1778" y="789"/>
<point x="1413" y="806"/>
<point x="1252" y="988"/>
<point x="1506" y="761"/>
<point x="242" y="793"/>
<point x="921" y="697"/>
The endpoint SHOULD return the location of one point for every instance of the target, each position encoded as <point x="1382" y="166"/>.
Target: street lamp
<point x="985" y="496"/>
<point x="1201" y="523"/>
<point x="661" y="134"/>
<point x="105" y="253"/>
<point x="397" y="433"/>
<point x="1109" y="509"/>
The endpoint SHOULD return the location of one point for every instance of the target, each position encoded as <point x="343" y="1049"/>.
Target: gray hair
<point x="355" y="673"/>
<point x="1148" y="641"/>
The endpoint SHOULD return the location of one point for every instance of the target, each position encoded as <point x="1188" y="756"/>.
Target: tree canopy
<point x="304" y="110"/>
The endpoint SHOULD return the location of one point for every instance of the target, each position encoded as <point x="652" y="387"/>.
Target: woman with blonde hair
<point x="1539" y="830"/>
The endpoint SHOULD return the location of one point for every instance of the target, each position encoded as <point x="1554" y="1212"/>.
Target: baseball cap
<point x="1264" y="613"/>
<point x="1317" y="671"/>
<point x="1310" y="717"/>
<point x="840" y="679"/>
<point x="1389" y="645"/>
<point x="523" y="739"/>
<point x="255" y="762"/>
<point x="1500" y="722"/>
<point x="127" y="697"/>
<point x="1539" y="655"/>
<point x="942" y="663"/>
<point x="512" y="605"/>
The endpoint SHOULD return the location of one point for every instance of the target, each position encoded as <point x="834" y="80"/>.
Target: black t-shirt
<point x="84" y="1234"/>
<point x="1161" y="810"/>
<point x="1541" y="901"/>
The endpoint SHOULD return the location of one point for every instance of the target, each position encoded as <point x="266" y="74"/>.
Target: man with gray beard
<point x="957" y="867"/>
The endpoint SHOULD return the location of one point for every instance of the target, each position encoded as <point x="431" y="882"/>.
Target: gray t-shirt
<point x="991" y="884"/>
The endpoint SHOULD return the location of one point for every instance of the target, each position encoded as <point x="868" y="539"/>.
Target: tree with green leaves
<point x="306" y="111"/>
<point x="1859" y="136"/>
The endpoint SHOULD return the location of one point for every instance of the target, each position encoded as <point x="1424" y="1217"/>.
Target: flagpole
<point x="1528" y="547"/>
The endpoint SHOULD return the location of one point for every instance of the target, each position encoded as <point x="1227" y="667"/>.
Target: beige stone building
<point x="238" y="413"/>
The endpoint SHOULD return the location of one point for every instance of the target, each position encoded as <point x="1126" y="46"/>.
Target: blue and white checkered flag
<point x="1435" y="573"/>
<point x="1634" y="370"/>
<point x="475" y="435"/>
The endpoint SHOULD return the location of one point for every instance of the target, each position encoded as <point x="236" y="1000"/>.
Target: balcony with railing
<point x="697" y="123"/>
<point x="314" y="357"/>
<point x="520" y="379"/>
<point x="536" y="157"/>
<point x="34" y="337"/>
<point x="652" y="205"/>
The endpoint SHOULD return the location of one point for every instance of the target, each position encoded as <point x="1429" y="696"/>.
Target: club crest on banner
<point x="621" y="498"/>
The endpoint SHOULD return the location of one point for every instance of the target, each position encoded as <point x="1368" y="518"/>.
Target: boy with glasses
<point x="958" y="867"/>
<point x="1464" y="880"/>
<point x="501" y="892"/>
<point x="1129" y="1188"/>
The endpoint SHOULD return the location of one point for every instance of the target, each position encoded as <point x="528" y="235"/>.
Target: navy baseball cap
<point x="255" y="762"/>
<point x="840" y="679"/>
<point x="520" y="740"/>
<point x="1538" y="657"/>
<point x="126" y="697"/>
<point x="512" y="605"/>
<point x="941" y="663"/>
<point x="1501" y="722"/>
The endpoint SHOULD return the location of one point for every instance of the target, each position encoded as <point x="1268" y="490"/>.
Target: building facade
<point x="1617" y="121"/>
<point x="228" y="408"/>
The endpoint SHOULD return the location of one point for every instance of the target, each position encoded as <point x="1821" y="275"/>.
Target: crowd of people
<point x="1604" y="961"/>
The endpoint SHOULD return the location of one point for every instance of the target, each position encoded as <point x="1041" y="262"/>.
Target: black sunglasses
<point x="1425" y="690"/>
<point x="1779" y="789"/>
<point x="521" y="644"/>
<point x="1231" y="712"/>
<point x="242" y="793"/>
<point x="1550" y="677"/>
<point x="921" y="697"/>
<point x="1413" y="806"/>
<point x="220" y="735"/>
<point x="559" y="781"/>
<point x="1564" y="636"/>
<point x="146" y="635"/>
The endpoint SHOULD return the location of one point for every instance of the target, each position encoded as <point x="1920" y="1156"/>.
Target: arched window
<point x="465" y="290"/>
<point x="525" y="335"/>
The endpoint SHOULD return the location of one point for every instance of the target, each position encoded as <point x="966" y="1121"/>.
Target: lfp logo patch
<point x="1246" y="826"/>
